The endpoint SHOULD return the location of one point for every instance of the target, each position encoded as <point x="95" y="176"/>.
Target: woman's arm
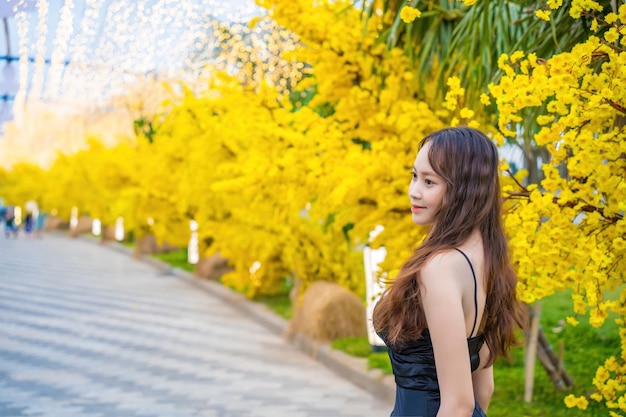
<point x="442" y="298"/>
<point x="482" y="380"/>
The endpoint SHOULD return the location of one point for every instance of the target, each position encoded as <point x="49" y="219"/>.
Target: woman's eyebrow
<point x="431" y="173"/>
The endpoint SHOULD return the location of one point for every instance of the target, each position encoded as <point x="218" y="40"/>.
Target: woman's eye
<point x="428" y="182"/>
<point x="413" y="176"/>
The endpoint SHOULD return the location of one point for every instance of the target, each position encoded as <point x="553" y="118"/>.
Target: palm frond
<point x="452" y="39"/>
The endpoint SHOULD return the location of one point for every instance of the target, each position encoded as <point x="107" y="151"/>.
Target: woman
<point x="452" y="310"/>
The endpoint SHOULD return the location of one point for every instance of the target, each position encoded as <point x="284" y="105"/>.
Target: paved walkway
<point x="86" y="331"/>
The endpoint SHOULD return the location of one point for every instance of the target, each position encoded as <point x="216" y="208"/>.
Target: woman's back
<point x="413" y="362"/>
<point x="459" y="278"/>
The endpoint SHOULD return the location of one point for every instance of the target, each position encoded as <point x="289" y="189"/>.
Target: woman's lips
<point x="415" y="209"/>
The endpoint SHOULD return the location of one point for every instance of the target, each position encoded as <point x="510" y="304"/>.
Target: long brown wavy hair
<point x="468" y="162"/>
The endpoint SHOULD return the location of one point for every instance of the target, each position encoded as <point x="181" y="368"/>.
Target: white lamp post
<point x="119" y="229"/>
<point x="373" y="287"/>
<point x="193" y="252"/>
<point x="96" y="227"/>
<point x="74" y="218"/>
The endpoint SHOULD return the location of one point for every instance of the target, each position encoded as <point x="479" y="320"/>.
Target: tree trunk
<point x="532" y="340"/>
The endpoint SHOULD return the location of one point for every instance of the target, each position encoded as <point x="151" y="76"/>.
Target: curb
<point x="348" y="367"/>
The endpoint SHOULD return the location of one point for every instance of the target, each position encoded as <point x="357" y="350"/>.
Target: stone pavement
<point x="86" y="331"/>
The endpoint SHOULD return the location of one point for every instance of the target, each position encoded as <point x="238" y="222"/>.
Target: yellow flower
<point x="554" y="4"/>
<point x="467" y="113"/>
<point x="594" y="25"/>
<point x="516" y="56"/>
<point x="611" y="364"/>
<point x="596" y="320"/>
<point x="602" y="374"/>
<point x="582" y="403"/>
<point x="253" y="22"/>
<point x="578" y="402"/>
<point x="502" y="61"/>
<point x="610" y="18"/>
<point x="545" y="119"/>
<point x="449" y="103"/>
<point x="469" y="2"/>
<point x="454" y="82"/>
<point x="409" y="14"/>
<point x="611" y="35"/>
<point x="543" y="14"/>
<point x="578" y="6"/>
<point x="572" y="321"/>
<point x="442" y="114"/>
<point x="580" y="307"/>
<point x="596" y="396"/>
<point x="570" y="401"/>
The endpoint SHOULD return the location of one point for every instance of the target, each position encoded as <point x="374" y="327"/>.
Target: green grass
<point x="177" y="259"/>
<point x="585" y="348"/>
<point x="128" y="243"/>
<point x="279" y="304"/>
<point x="354" y="346"/>
<point x="361" y="348"/>
<point x="379" y="360"/>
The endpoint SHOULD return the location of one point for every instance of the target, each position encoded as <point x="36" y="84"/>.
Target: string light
<point x="40" y="49"/>
<point x="22" y="30"/>
<point x="78" y="57"/>
<point x="61" y="48"/>
<point x="93" y="57"/>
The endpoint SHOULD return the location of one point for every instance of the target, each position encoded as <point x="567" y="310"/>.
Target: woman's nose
<point x="414" y="191"/>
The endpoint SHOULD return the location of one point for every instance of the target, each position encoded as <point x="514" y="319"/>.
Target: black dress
<point x="413" y="364"/>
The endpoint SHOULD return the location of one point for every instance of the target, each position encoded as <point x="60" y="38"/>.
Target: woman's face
<point x="426" y="190"/>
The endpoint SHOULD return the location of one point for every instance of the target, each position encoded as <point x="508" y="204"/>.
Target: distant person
<point x="3" y="216"/>
<point x="28" y="224"/>
<point x="452" y="310"/>
<point x="10" y="227"/>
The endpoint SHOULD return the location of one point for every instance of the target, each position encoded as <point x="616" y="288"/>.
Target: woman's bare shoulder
<point x="445" y="262"/>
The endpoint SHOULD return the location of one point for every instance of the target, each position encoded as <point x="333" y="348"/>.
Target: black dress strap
<point x="475" y="290"/>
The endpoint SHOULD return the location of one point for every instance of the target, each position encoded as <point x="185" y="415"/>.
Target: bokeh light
<point x="91" y="67"/>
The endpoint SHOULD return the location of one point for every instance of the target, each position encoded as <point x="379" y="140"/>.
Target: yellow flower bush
<point x="569" y="231"/>
<point x="24" y="182"/>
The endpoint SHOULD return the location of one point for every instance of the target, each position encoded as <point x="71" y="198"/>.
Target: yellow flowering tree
<point x="569" y="231"/>
<point x="566" y="109"/>
<point x="24" y="182"/>
<point x="367" y="97"/>
<point x="95" y="180"/>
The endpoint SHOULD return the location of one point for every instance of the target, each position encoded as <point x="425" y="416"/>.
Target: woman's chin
<point x="421" y="220"/>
